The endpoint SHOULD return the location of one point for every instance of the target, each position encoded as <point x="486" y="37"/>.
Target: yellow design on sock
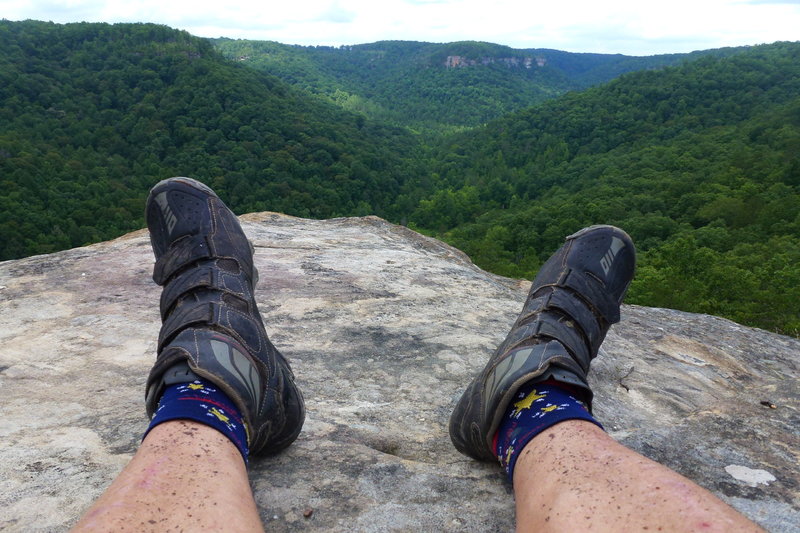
<point x="219" y="415"/>
<point x="528" y="400"/>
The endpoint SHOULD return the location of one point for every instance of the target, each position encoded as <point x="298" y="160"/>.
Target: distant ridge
<point x="439" y="87"/>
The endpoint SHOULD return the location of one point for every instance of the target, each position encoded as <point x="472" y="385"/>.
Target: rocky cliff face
<point x="384" y="329"/>
<point x="511" y="62"/>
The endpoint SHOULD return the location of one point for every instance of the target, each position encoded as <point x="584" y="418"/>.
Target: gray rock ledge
<point x="384" y="329"/>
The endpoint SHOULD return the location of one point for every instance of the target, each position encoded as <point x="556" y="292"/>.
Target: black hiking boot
<point x="573" y="301"/>
<point x="211" y="325"/>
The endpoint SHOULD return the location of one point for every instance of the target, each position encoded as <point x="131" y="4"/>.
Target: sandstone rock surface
<point x="384" y="329"/>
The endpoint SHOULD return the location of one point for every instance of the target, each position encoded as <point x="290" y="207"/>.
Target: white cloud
<point x="791" y="2"/>
<point x="337" y="14"/>
<point x="624" y="26"/>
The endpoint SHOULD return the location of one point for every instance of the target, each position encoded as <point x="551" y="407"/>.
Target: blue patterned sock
<point x="202" y="402"/>
<point x="537" y="406"/>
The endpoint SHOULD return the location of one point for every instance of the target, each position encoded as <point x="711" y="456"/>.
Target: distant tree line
<point x="407" y="83"/>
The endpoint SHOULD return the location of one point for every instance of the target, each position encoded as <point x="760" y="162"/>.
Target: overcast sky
<point x="634" y="27"/>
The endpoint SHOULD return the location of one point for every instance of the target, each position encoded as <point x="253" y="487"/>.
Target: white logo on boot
<point x="169" y="217"/>
<point x="608" y="257"/>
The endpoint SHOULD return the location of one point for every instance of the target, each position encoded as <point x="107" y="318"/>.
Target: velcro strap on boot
<point x="217" y="316"/>
<point x="569" y="303"/>
<point x="564" y="330"/>
<point x="591" y="291"/>
<point x="209" y="277"/>
<point x="184" y="252"/>
<point x="553" y="325"/>
<point x="516" y="336"/>
<point x="572" y="305"/>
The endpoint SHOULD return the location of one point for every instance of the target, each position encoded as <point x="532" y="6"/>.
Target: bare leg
<point x="185" y="476"/>
<point x="574" y="477"/>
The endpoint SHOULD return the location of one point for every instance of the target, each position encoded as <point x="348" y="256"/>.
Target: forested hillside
<point x="701" y="164"/>
<point x="436" y="87"/>
<point x="92" y="115"/>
